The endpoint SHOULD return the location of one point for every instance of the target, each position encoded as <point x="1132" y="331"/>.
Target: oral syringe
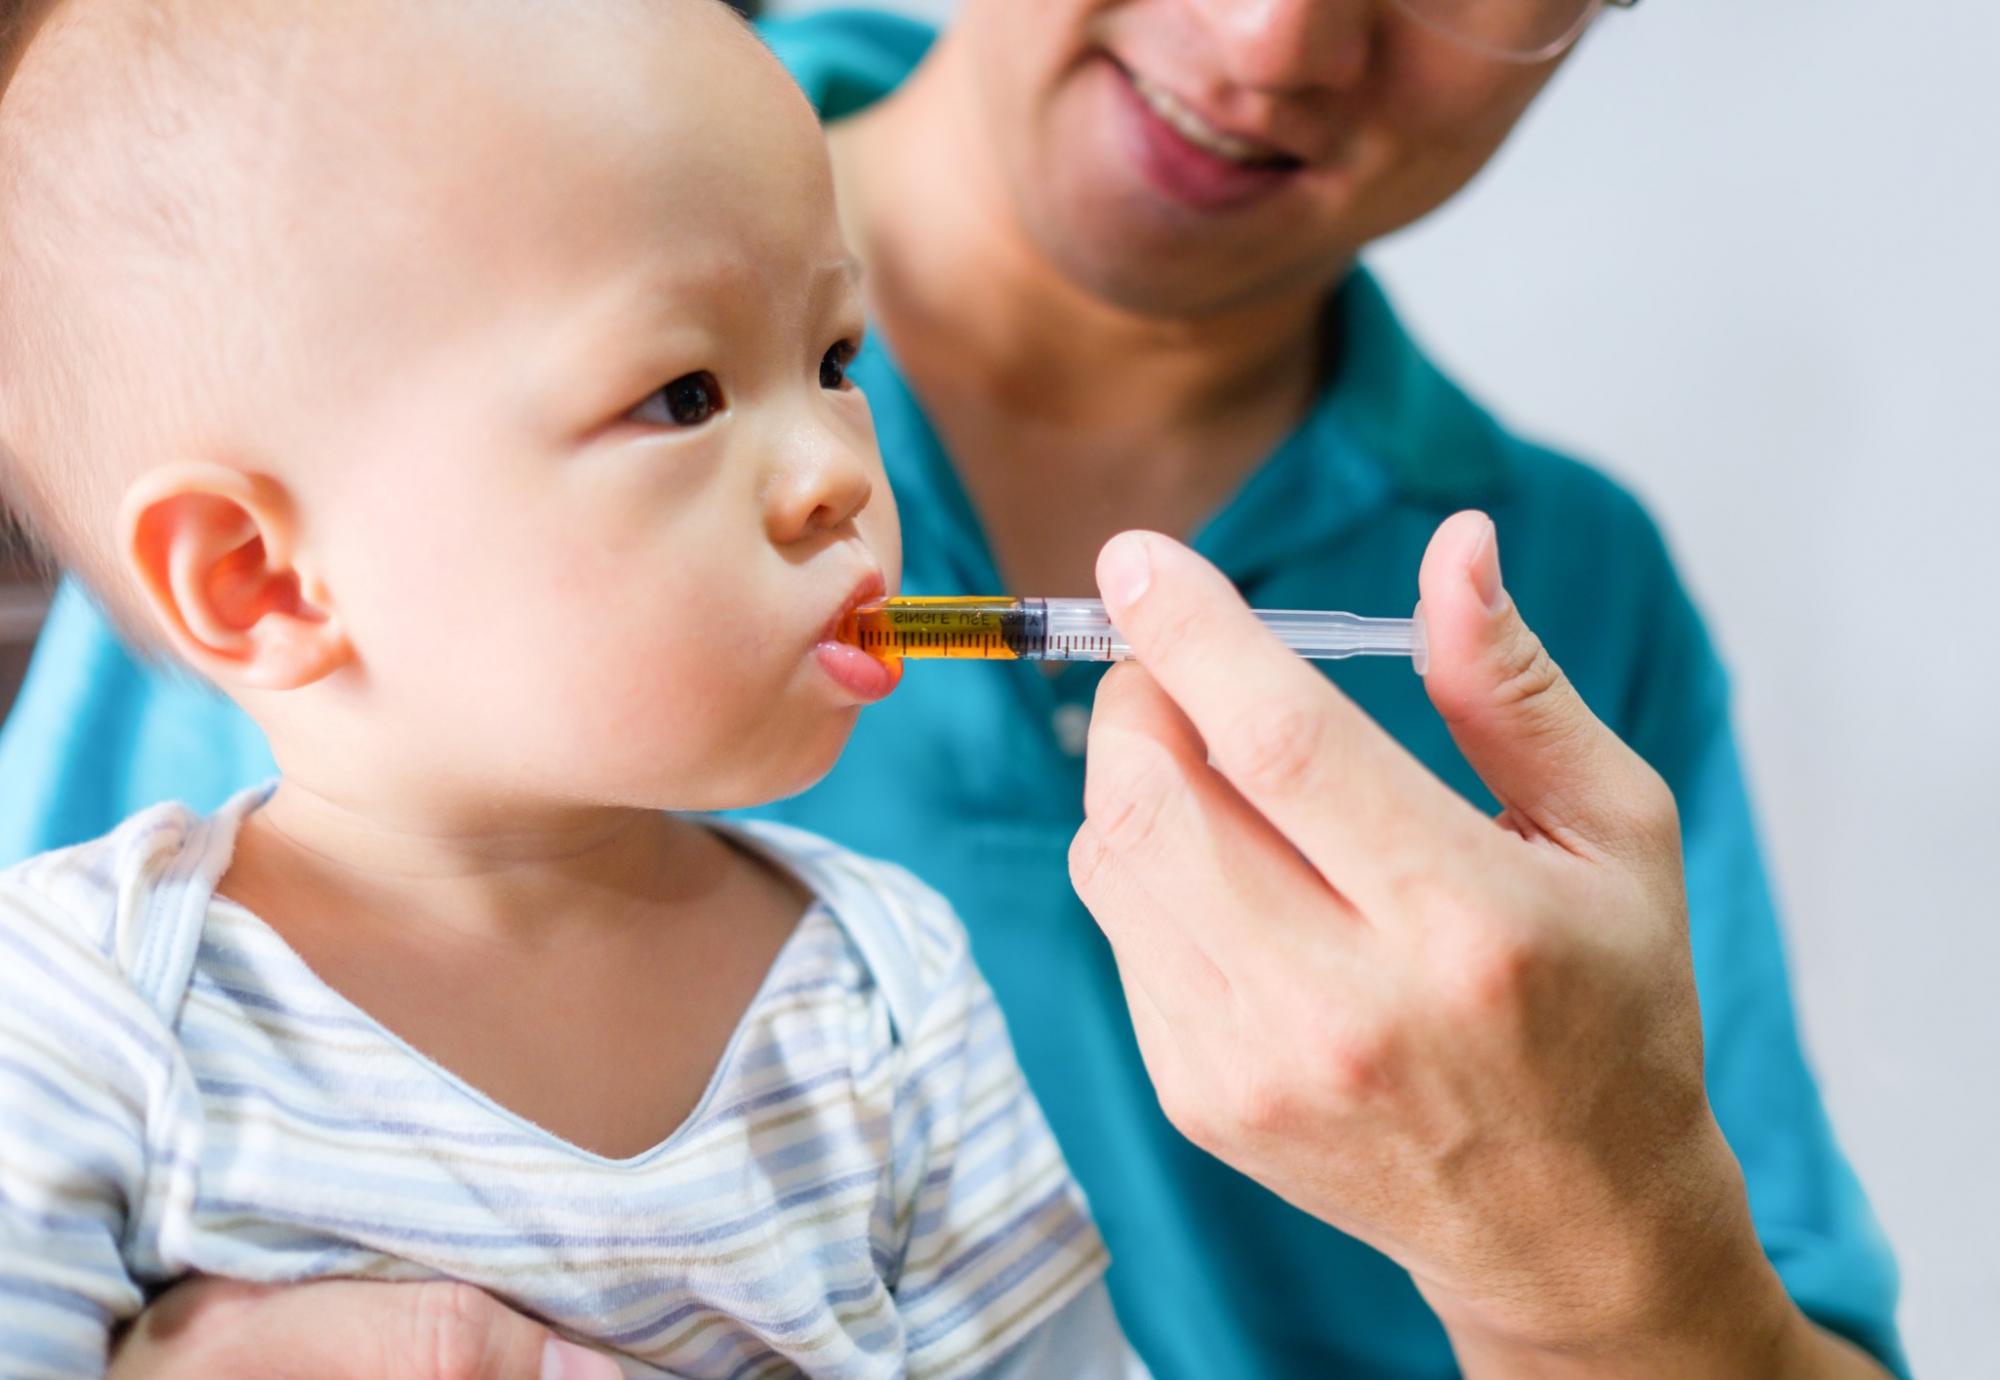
<point x="1003" y="629"/>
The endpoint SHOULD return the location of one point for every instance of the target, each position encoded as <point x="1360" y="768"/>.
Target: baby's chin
<point x="753" y="774"/>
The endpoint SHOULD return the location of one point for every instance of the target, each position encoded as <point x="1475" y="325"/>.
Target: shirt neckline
<point x="816" y="914"/>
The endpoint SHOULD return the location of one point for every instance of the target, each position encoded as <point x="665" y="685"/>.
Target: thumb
<point x="1520" y="723"/>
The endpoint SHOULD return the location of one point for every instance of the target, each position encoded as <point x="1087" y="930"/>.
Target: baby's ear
<point x="212" y="550"/>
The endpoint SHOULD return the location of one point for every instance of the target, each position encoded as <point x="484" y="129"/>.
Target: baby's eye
<point x="689" y="400"/>
<point x="833" y="364"/>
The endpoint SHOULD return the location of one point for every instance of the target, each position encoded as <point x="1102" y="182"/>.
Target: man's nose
<point x="1289" y="47"/>
<point x="820" y="483"/>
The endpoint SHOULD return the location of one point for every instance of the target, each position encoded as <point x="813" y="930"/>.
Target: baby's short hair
<point x="53" y="462"/>
<point x="16" y="20"/>
<point x="138" y="200"/>
<point x="113" y="245"/>
<point x="26" y="351"/>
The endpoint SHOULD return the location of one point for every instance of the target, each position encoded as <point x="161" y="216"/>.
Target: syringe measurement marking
<point x="930" y="639"/>
<point x="917" y="641"/>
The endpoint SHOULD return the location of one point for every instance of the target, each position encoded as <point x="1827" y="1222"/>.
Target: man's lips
<point x="1206" y="133"/>
<point x="1193" y="170"/>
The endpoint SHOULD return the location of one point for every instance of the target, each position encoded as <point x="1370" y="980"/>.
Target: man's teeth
<point x="1200" y="132"/>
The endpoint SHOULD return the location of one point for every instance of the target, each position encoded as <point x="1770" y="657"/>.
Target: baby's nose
<point x="818" y="491"/>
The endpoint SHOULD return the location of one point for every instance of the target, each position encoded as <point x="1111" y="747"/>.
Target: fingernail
<point x="1485" y="570"/>
<point x="1420" y="642"/>
<point x="566" y="1361"/>
<point x="1124" y="569"/>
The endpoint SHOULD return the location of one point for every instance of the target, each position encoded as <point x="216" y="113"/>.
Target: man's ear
<point x="213" y="552"/>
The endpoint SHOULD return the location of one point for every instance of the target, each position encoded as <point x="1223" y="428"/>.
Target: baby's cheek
<point x="665" y="717"/>
<point x="761" y="738"/>
<point x="662" y="684"/>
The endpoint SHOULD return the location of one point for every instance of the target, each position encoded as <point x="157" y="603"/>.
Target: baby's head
<point x="458" y="384"/>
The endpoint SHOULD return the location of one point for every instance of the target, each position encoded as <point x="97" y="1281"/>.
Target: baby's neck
<point x="497" y="872"/>
<point x="585" y="969"/>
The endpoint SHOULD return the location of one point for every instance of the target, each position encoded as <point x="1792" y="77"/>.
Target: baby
<point x="460" y="386"/>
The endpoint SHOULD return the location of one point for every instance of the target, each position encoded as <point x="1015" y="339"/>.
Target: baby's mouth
<point x="869" y="589"/>
<point x="863" y="676"/>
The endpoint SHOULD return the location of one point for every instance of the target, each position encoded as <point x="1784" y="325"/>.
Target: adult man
<point x="1110" y="249"/>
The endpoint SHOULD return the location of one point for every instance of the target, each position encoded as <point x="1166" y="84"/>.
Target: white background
<point x="1744" y="256"/>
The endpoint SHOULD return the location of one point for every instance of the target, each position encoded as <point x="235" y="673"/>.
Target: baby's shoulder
<point x="906" y="933"/>
<point x="122" y="913"/>
<point x="90" y="889"/>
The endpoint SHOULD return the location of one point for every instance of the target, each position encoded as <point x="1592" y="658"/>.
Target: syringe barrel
<point x="1080" y="630"/>
<point x="1076" y="630"/>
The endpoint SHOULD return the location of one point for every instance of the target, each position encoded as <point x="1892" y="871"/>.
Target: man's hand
<point x="207" y="1329"/>
<point x="1473" y="1043"/>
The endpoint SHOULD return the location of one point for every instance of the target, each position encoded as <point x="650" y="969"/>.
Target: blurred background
<point x="1742" y="256"/>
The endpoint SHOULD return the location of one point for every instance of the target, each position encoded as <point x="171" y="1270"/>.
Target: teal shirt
<point x="969" y="775"/>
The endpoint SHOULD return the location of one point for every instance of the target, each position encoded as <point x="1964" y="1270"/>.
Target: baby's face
<point x="581" y="474"/>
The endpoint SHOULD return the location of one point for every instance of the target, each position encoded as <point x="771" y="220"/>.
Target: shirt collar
<point x="1434" y="442"/>
<point x="1388" y="427"/>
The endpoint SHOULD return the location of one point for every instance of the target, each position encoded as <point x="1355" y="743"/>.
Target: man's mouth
<point x="1191" y="126"/>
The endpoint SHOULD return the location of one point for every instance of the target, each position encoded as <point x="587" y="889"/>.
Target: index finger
<point x="1362" y="810"/>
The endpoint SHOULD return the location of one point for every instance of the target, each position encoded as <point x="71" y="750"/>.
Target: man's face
<point x="1183" y="157"/>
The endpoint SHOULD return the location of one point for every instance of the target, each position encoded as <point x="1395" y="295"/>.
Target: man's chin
<point x="1189" y="296"/>
<point x="1157" y="266"/>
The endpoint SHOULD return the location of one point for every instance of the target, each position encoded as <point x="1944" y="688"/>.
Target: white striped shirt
<point x="866" y="1189"/>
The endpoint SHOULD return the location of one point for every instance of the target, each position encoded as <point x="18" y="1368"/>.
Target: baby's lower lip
<point x="856" y="672"/>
